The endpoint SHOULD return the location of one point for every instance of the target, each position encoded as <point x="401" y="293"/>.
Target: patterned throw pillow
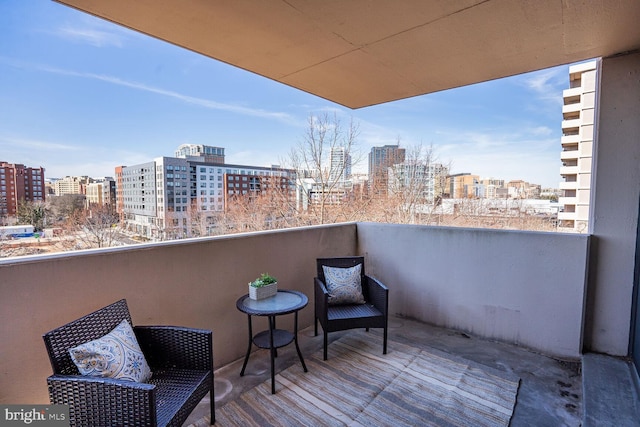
<point x="115" y="355"/>
<point x="344" y="284"/>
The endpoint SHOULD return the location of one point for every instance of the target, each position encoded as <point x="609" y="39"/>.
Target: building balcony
<point x="571" y="108"/>
<point x="568" y="185"/>
<point x="571" y="124"/>
<point x="569" y="139"/>
<point x="514" y="301"/>
<point x="569" y="155"/>
<point x="569" y="170"/>
<point x="566" y="216"/>
<point x="565" y="201"/>
<point x="572" y="93"/>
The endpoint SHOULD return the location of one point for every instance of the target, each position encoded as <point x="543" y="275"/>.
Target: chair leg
<point x="325" y="344"/>
<point x="384" y="342"/>
<point x="212" y="404"/>
<point x="315" y="326"/>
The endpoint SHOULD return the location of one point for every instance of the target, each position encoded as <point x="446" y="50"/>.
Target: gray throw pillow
<point x="115" y="355"/>
<point x="344" y="284"/>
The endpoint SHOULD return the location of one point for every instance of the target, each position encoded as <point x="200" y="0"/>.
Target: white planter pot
<point x="263" y="292"/>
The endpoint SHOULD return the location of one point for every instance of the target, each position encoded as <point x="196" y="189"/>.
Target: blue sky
<point x="80" y="96"/>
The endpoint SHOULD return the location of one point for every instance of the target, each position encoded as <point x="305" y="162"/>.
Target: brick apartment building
<point x="19" y="182"/>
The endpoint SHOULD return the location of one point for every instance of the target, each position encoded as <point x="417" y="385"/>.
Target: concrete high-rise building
<point x="94" y="194"/>
<point x="494" y="188"/>
<point x="426" y="181"/>
<point x="174" y="197"/>
<point x="139" y="196"/>
<point x="380" y="160"/>
<point x="464" y="186"/>
<point x="19" y="183"/>
<point x="72" y="185"/>
<point x="578" y="113"/>
<point x="340" y="167"/>
<point x="102" y="192"/>
<point x="519" y="189"/>
<point x="119" y="201"/>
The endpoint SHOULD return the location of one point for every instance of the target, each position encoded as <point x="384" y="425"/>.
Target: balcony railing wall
<point x="522" y="287"/>
<point x="193" y="282"/>
<point x="525" y="288"/>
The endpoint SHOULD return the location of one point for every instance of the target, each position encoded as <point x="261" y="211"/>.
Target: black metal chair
<point x="372" y="314"/>
<point x="181" y="360"/>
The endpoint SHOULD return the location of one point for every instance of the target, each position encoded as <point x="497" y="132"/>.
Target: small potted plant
<point x="263" y="287"/>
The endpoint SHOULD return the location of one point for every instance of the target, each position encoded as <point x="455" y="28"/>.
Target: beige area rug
<point x="359" y="386"/>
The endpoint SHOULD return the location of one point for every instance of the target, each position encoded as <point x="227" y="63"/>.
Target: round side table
<point x="283" y="302"/>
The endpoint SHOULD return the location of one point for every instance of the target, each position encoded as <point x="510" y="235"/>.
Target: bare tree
<point x="322" y="179"/>
<point x="198" y="220"/>
<point x="415" y="185"/>
<point x="96" y="227"/>
<point x="270" y="208"/>
<point x="65" y="206"/>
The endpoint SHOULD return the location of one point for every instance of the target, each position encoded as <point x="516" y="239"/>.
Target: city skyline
<point x="81" y="96"/>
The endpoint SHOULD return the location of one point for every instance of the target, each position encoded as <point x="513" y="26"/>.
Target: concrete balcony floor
<point x="550" y="392"/>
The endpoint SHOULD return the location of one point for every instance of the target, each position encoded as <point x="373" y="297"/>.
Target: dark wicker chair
<point x="181" y="360"/>
<point x="372" y="314"/>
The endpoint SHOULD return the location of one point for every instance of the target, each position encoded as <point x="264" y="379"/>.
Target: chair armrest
<point x="103" y="399"/>
<point x="176" y="347"/>
<point x="321" y="297"/>
<point x="378" y="294"/>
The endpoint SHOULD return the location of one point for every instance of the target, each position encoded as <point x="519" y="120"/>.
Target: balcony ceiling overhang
<point x="364" y="52"/>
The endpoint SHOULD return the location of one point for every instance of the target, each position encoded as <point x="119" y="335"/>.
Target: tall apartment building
<point x="72" y="185"/>
<point x="120" y="191"/>
<point x="380" y="160"/>
<point x="174" y="197"/>
<point x="340" y="165"/>
<point x="578" y="114"/>
<point x="252" y="182"/>
<point x="17" y="183"/>
<point x="425" y="181"/>
<point x="464" y="186"/>
<point x="519" y="189"/>
<point x="494" y="188"/>
<point x="309" y="191"/>
<point x="102" y="192"/>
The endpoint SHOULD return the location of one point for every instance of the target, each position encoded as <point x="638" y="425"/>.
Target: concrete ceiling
<point x="364" y="52"/>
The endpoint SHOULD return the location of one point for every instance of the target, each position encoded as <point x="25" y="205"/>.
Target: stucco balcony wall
<point x="526" y="288"/>
<point x="520" y="287"/>
<point x="193" y="282"/>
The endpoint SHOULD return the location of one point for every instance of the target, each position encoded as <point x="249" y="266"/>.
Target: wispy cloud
<point x="92" y="36"/>
<point x="547" y="84"/>
<point x="202" y="102"/>
<point x="31" y="144"/>
<point x="91" y="30"/>
<point x="540" y="131"/>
